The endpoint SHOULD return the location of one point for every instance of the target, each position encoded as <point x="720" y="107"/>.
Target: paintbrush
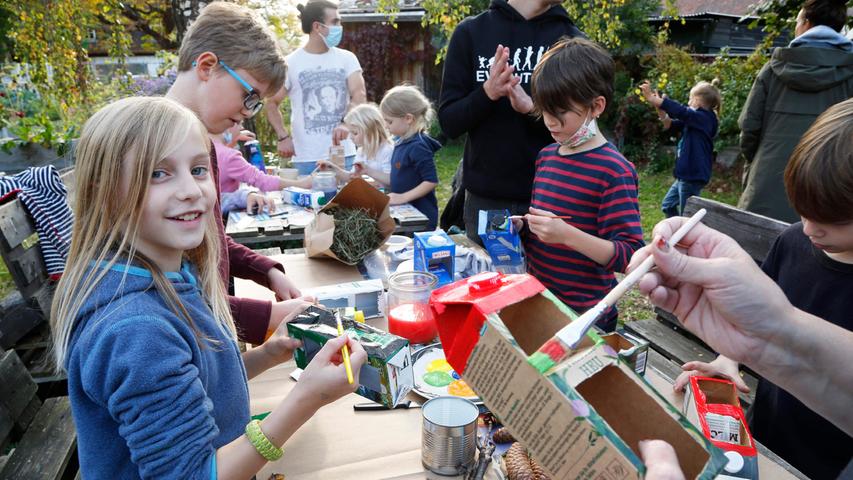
<point x="568" y="338"/>
<point x="521" y="217"/>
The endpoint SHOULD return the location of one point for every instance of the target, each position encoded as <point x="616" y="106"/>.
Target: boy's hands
<point x="339" y="134"/>
<point x="548" y="227"/>
<point x="719" y="367"/>
<point x="650" y="95"/>
<point x="285" y="147"/>
<point x="325" y="379"/>
<point x="396" y="199"/>
<point x="518" y="98"/>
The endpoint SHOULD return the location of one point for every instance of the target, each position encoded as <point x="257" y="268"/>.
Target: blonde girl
<point x="368" y="132"/>
<point x="408" y="113"/>
<point x="140" y="318"/>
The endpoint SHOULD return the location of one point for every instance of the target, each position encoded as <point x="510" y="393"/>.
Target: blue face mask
<point x="336" y="33"/>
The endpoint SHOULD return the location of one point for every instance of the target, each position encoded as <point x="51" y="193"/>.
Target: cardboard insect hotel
<point x="581" y="419"/>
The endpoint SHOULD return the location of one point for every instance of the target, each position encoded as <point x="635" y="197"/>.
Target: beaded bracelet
<point x="261" y="443"/>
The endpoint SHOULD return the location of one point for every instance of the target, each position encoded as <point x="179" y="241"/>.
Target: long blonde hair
<point x="131" y="135"/>
<point x="405" y="100"/>
<point x="367" y="118"/>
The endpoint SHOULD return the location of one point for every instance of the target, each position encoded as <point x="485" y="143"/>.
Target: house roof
<point x="728" y="8"/>
<point x="365" y="11"/>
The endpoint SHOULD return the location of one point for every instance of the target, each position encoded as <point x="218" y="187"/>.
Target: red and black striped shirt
<point x="598" y="188"/>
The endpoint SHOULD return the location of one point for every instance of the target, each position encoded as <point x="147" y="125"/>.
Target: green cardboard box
<point x="387" y="376"/>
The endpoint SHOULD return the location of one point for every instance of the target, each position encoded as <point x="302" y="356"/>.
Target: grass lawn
<point x="725" y="187"/>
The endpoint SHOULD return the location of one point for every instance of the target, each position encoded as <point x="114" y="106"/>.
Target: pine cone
<point x="518" y="463"/>
<point x="538" y="471"/>
<point x="502" y="435"/>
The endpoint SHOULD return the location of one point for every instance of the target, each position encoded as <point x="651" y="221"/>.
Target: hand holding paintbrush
<point x="568" y="338"/>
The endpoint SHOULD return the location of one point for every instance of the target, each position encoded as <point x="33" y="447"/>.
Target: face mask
<point x="583" y="134"/>
<point x="336" y="33"/>
<point x="227" y="137"/>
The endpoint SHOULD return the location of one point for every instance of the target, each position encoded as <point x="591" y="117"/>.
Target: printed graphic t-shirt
<point x="317" y="87"/>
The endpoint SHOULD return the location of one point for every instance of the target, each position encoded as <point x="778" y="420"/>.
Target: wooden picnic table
<point x="251" y="230"/>
<point x="341" y="443"/>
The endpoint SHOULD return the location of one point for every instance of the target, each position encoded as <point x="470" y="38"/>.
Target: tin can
<point x="254" y="155"/>
<point x="449" y="438"/>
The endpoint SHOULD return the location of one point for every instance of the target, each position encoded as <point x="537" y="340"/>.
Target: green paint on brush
<point x="541" y="362"/>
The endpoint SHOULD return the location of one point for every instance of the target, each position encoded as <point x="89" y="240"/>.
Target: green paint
<point x="438" y="379"/>
<point x="540" y="361"/>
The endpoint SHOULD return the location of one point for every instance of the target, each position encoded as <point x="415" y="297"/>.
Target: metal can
<point x="254" y="155"/>
<point x="449" y="438"/>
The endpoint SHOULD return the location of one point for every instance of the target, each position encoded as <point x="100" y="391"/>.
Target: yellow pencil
<point x="344" y="350"/>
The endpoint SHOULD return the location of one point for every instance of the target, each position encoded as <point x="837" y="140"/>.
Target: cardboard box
<point x="501" y="241"/>
<point x="585" y="417"/>
<point x="319" y="234"/>
<point x="631" y="349"/>
<point x="365" y="295"/>
<point x="435" y="253"/>
<point x="387" y="376"/>
<point x="712" y="405"/>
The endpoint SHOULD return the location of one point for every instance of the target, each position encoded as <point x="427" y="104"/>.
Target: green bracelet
<point x="261" y="443"/>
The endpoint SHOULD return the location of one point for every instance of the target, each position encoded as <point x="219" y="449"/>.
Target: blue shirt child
<point x="698" y="127"/>
<point x="413" y="162"/>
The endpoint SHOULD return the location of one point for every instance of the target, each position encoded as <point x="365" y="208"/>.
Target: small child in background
<point x="408" y="113"/>
<point x="141" y="321"/>
<point x="368" y="133"/>
<point x="582" y="176"/>
<point x="234" y="169"/>
<point x="812" y="262"/>
<point x="697" y="122"/>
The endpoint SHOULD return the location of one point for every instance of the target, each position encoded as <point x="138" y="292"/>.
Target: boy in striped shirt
<point x="582" y="177"/>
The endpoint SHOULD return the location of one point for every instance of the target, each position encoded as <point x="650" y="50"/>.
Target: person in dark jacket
<point x="485" y="94"/>
<point x="798" y="83"/>
<point x="697" y="123"/>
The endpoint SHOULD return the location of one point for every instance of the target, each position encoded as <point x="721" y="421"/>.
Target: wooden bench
<point x="756" y="234"/>
<point x="24" y="312"/>
<point x="42" y="433"/>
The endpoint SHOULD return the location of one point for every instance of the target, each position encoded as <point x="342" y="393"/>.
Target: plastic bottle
<point x="254" y="155"/>
<point x="304" y="197"/>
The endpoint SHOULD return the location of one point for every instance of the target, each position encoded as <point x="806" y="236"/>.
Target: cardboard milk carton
<point x="631" y="349"/>
<point x="435" y="252"/>
<point x="585" y="417"/>
<point x="386" y="377"/>
<point x="501" y="241"/>
<point x="712" y="405"/>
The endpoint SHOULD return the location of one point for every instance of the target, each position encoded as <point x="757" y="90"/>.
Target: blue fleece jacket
<point x="147" y="400"/>
<point x="698" y="127"/>
<point x="413" y="162"/>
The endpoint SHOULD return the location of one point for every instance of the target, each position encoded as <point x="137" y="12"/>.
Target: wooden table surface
<point x="339" y="443"/>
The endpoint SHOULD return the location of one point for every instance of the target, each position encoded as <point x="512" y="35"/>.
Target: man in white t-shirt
<point x="323" y="83"/>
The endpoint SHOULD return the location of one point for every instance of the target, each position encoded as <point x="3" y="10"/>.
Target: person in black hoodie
<point x="485" y="92"/>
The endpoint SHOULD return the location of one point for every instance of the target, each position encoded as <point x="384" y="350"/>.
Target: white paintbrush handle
<point x="622" y="287"/>
<point x="572" y="333"/>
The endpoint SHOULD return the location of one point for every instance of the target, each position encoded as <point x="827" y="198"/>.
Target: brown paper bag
<point x="356" y="194"/>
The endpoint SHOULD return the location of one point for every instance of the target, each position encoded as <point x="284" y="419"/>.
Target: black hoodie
<point x="502" y="144"/>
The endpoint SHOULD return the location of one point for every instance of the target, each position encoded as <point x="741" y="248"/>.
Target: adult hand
<point x="660" y="460"/>
<point x="285" y="147"/>
<point x="651" y="96"/>
<point x="256" y="202"/>
<point x="282" y="285"/>
<point x="715" y="289"/>
<point x="339" y="134"/>
<point x="547" y="226"/>
<point x="719" y="367"/>
<point x="396" y="199"/>
<point x="500" y="75"/>
<point x="324" y="379"/>
<point x="518" y="98"/>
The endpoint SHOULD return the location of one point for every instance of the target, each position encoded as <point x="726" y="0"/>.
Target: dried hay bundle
<point x="356" y="233"/>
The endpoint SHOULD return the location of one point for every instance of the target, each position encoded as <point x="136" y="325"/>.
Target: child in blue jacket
<point x="697" y="122"/>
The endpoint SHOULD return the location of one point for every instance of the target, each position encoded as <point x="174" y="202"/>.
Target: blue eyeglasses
<point x="252" y="100"/>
